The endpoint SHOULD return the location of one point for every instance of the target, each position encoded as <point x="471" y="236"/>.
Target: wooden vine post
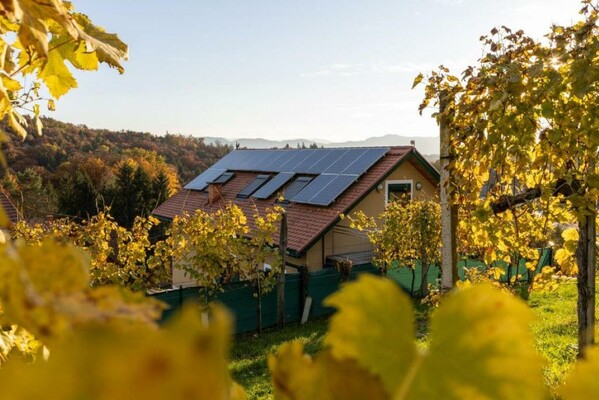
<point x="449" y="257"/>
<point x="586" y="259"/>
<point x="281" y="277"/>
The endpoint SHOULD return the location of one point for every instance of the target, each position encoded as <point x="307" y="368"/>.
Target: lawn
<point x="554" y="329"/>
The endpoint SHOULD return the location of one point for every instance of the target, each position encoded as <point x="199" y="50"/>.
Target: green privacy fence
<point x="239" y="297"/>
<point x="240" y="300"/>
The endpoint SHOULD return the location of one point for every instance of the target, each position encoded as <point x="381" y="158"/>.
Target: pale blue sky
<point x="329" y="69"/>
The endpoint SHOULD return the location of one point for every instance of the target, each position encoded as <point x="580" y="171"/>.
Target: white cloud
<point x="340" y="70"/>
<point x="346" y="70"/>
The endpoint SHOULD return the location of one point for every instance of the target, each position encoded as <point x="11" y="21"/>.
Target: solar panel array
<point x="336" y="170"/>
<point x="303" y="161"/>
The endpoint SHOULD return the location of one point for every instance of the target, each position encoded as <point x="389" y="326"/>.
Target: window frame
<point x="395" y="182"/>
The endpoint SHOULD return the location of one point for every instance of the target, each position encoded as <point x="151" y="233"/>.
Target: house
<point x="316" y="185"/>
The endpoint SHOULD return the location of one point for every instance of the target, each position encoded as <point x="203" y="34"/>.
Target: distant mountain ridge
<point x="428" y="145"/>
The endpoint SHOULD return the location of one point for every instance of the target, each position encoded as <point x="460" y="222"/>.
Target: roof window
<point x="253" y="186"/>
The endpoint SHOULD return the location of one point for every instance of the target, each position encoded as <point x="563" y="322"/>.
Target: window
<point x="398" y="190"/>
<point x="295" y="187"/>
<point x="224" y="178"/>
<point x="253" y="186"/>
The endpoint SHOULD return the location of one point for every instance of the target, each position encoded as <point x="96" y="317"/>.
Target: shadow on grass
<point x="249" y="354"/>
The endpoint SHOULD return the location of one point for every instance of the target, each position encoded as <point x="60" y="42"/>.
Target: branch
<point x="506" y="202"/>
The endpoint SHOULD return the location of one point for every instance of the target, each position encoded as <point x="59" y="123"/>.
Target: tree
<point x="528" y="112"/>
<point x="78" y="197"/>
<point x="119" y="256"/>
<point x="160" y="189"/>
<point x="216" y="248"/>
<point x="34" y="197"/>
<point x="406" y="234"/>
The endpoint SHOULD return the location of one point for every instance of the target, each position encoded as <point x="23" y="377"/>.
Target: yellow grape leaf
<point x="45" y="289"/>
<point x="567" y="261"/>
<point x="107" y="46"/>
<point x="297" y="376"/>
<point x="582" y="383"/>
<point x="570" y="234"/>
<point x="76" y="53"/>
<point x="374" y="324"/>
<point x="480" y="347"/>
<point x="185" y="360"/>
<point x="56" y="75"/>
<point x="480" y="344"/>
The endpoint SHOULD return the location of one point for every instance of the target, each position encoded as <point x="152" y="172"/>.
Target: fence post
<point x="304" y="286"/>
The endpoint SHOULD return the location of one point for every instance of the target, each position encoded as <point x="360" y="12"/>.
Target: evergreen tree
<point x="160" y="189"/>
<point x="78" y="196"/>
<point x="143" y="193"/>
<point x="124" y="203"/>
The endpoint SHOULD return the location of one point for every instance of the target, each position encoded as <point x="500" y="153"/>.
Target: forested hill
<point x="63" y="141"/>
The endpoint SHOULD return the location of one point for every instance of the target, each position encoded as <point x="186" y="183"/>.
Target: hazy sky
<point x="327" y="69"/>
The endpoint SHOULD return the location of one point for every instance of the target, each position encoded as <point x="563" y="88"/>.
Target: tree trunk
<point x="281" y="277"/>
<point x="413" y="281"/>
<point x="423" y="279"/>
<point x="449" y="274"/>
<point x="585" y="257"/>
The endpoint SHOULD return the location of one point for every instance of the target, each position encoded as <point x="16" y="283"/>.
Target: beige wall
<point x="342" y="239"/>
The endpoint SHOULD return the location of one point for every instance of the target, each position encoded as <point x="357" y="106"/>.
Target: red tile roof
<point x="8" y="207"/>
<point x="306" y="222"/>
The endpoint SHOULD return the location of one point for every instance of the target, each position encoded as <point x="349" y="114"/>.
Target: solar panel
<point x="253" y="186"/>
<point x="364" y="162"/>
<point x="342" y="162"/>
<point x="313" y="188"/>
<point x="337" y="186"/>
<point x="295" y="187"/>
<point x="201" y="181"/>
<point x="273" y="185"/>
<point x="330" y="156"/>
<point x="275" y="162"/>
<point x="313" y="158"/>
<point x="297" y="156"/>
<point x="224" y="178"/>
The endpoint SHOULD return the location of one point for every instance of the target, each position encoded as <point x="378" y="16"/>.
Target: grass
<point x="249" y="354"/>
<point x="554" y="329"/>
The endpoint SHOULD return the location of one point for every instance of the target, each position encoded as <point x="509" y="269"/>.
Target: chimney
<point x="215" y="192"/>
